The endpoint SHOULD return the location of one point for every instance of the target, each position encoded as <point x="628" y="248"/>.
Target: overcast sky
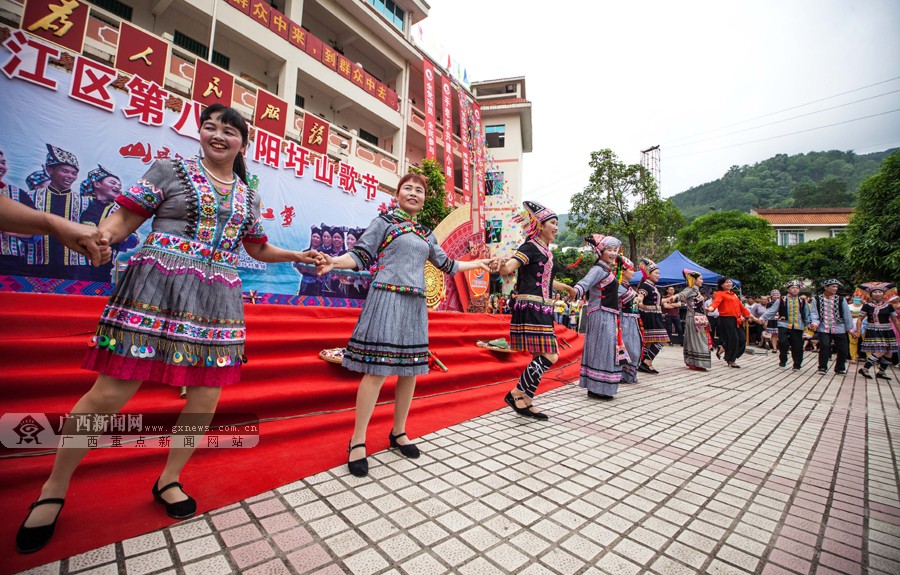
<point x="697" y="78"/>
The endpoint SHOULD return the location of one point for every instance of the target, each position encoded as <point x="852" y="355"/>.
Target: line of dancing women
<point x="176" y="316"/>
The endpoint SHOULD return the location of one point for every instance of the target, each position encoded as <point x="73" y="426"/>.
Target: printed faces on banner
<point x="62" y="22"/>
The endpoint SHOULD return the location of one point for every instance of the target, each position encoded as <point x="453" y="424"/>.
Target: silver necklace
<point x="211" y="175"/>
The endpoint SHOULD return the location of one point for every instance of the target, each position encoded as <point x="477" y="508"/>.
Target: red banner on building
<point x="315" y="134"/>
<point x="464" y="145"/>
<point x="430" y="117"/>
<point x="344" y="66"/>
<point x="63" y="23"/>
<point x="261" y="12"/>
<point x="447" y="116"/>
<point x="329" y="57"/>
<point x="478" y="192"/>
<point x="142" y="54"/>
<point x="211" y="84"/>
<point x="279" y="24"/>
<point x="297" y="35"/>
<point x="271" y="113"/>
<point x="242" y="5"/>
<point x="314" y="47"/>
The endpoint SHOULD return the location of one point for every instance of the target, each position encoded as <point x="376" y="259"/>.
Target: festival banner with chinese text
<point x="108" y="138"/>
<point x="430" y="115"/>
<point x="447" y="116"/>
<point x="464" y="144"/>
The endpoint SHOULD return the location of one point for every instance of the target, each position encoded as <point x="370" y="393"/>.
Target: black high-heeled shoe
<point x="31" y="539"/>
<point x="179" y="509"/>
<point x="358" y="467"/>
<point x="409" y="450"/>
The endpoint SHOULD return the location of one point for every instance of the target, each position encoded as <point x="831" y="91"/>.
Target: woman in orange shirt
<point x="731" y="314"/>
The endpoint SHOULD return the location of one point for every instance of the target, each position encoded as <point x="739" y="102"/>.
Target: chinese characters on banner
<point x="315" y="133"/>
<point x="62" y="22"/>
<point x="478" y="192"/>
<point x="142" y="54"/>
<point x="211" y="85"/>
<point x="430" y="117"/>
<point x="447" y="107"/>
<point x="271" y="113"/>
<point x="464" y="144"/>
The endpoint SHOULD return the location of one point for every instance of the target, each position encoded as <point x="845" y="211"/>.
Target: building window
<point x="493" y="183"/>
<point x="299" y="101"/>
<point x="200" y="49"/>
<point x="837" y="232"/>
<point x="389" y="10"/>
<point x="121" y="10"/>
<point x="493" y="231"/>
<point x="367" y="137"/>
<point x="791" y="237"/>
<point x="495" y="135"/>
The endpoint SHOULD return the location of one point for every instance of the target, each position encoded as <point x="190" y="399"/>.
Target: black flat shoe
<point x="734" y="365"/>
<point x="718" y="353"/>
<point x="539" y="415"/>
<point x="593" y="395"/>
<point x="359" y="467"/>
<point x="881" y="375"/>
<point x="408" y="450"/>
<point x="31" y="539"/>
<point x="642" y="367"/>
<point x="864" y="373"/>
<point x="511" y="401"/>
<point x="179" y="509"/>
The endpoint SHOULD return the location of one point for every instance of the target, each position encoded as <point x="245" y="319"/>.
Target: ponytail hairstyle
<point x="233" y="118"/>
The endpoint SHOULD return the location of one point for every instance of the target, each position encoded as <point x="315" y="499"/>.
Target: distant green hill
<point x="770" y="183"/>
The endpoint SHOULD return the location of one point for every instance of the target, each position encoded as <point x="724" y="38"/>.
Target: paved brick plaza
<point x="753" y="470"/>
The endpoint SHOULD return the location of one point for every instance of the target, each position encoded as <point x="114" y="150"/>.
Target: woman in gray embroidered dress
<point x="604" y="354"/>
<point x="629" y="302"/>
<point x="177" y="315"/>
<point x="391" y="336"/>
<point x="697" y="337"/>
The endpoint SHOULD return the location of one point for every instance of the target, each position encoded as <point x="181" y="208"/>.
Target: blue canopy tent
<point x="670" y="271"/>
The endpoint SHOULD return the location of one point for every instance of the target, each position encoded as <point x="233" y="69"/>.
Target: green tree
<point x="665" y="220"/>
<point x="620" y="200"/>
<point x="434" y="209"/>
<point x="755" y="261"/>
<point x="829" y="193"/>
<point x="715" y="222"/>
<point x="735" y="245"/>
<point x="820" y="260"/>
<point x="563" y="259"/>
<point x="873" y="235"/>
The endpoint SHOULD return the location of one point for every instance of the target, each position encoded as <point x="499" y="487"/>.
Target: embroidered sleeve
<point x="595" y="275"/>
<point x="865" y="310"/>
<point x="148" y="193"/>
<point x="255" y="234"/>
<point x="525" y="253"/>
<point x="439" y="258"/>
<point x="366" y="250"/>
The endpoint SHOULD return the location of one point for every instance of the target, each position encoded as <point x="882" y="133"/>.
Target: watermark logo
<point x="28" y="430"/>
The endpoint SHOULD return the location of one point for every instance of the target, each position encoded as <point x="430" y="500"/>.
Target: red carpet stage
<point x="309" y="401"/>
